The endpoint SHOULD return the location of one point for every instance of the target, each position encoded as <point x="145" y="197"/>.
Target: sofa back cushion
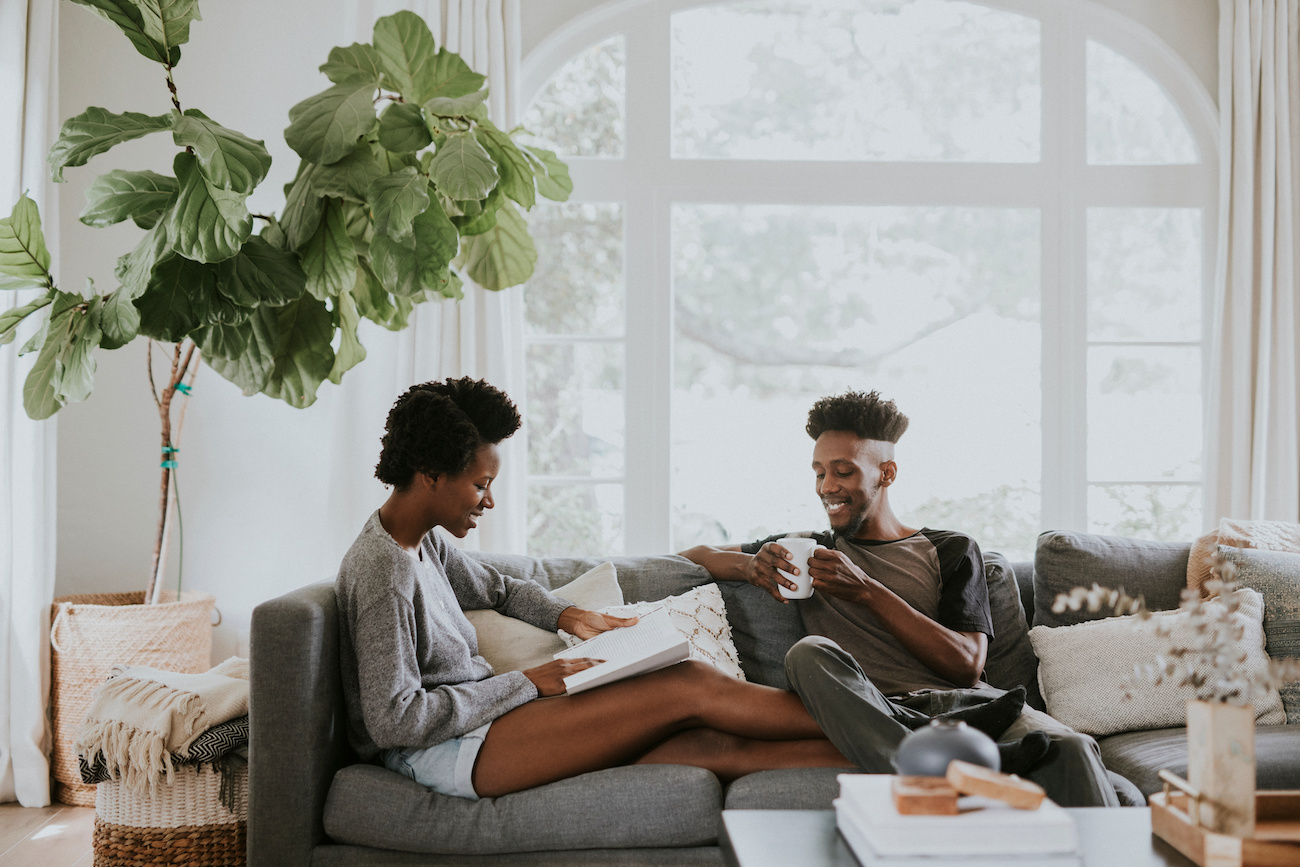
<point x="1157" y="571"/>
<point x="761" y="629"/>
<point x="641" y="578"/>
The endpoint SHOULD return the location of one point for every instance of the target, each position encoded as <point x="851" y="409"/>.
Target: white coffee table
<point x="1110" y="837"/>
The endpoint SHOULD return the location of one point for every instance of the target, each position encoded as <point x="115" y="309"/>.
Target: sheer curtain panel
<point x="479" y="336"/>
<point x="28" y="92"/>
<point x="1254" y="467"/>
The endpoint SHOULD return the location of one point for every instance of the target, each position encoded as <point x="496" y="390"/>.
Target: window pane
<point x="776" y="306"/>
<point x="1165" y="513"/>
<point x="1144" y="274"/>
<point x="578" y="285"/>
<point x="575" y="409"/>
<point x="580" y="111"/>
<point x="841" y="79"/>
<point x="1144" y="413"/>
<point x="575" y="520"/>
<point x="1131" y="119"/>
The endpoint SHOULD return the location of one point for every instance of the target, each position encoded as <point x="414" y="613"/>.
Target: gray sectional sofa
<point x="311" y="803"/>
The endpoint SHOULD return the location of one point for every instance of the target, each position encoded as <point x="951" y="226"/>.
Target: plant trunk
<point x="184" y="361"/>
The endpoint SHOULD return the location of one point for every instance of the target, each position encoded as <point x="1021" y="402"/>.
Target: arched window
<point x="996" y="213"/>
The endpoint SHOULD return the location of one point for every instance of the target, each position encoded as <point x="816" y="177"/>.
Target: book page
<point x="650" y="633"/>
<point x="650" y="644"/>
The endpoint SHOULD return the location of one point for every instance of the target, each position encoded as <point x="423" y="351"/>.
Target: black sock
<point x="1022" y="756"/>
<point x="993" y="717"/>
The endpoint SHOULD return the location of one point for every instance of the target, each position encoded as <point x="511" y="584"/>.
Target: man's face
<point x="849" y="477"/>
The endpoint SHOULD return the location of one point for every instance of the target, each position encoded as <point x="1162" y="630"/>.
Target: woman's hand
<point x="588" y="624"/>
<point x="549" y="676"/>
<point x="769" y="569"/>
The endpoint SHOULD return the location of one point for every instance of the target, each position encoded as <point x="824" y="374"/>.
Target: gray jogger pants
<point x="867" y="727"/>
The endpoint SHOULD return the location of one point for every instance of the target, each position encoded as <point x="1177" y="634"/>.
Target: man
<point x="908" y="605"/>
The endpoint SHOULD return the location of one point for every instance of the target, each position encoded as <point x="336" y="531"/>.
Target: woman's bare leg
<point x="731" y="756"/>
<point x="551" y="739"/>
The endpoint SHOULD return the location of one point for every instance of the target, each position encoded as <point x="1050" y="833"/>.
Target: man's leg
<point x="1072" y="773"/>
<point x="864" y="725"/>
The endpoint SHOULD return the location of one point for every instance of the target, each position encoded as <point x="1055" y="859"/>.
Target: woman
<point x="422" y="700"/>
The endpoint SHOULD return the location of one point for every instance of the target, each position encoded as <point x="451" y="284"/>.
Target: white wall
<point x="271" y="496"/>
<point x="258" y="494"/>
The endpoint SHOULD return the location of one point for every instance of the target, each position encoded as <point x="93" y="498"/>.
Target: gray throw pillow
<point x="1156" y="571"/>
<point x="762" y="630"/>
<point x="1011" y="661"/>
<point x="1276" y="576"/>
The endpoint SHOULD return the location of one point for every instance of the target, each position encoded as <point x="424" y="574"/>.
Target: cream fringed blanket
<point x="140" y="716"/>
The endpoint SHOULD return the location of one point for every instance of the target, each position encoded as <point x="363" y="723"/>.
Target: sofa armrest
<point x="297" y="724"/>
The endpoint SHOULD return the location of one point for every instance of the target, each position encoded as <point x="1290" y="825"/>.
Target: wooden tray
<point x="1276" y="842"/>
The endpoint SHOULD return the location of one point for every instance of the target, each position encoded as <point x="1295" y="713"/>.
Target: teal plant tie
<point x="183" y="388"/>
<point x="169" y="463"/>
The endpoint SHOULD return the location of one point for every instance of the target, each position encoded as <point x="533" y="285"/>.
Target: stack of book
<point x="984" y="833"/>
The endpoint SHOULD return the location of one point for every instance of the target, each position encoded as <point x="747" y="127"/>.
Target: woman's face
<point x="459" y="500"/>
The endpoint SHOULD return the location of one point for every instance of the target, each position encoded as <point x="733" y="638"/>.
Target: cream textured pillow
<point x="1084" y="669"/>
<point x="701" y="616"/>
<point x="512" y="645"/>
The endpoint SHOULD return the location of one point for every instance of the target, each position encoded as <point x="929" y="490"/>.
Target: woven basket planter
<point x="91" y="633"/>
<point x="179" y="823"/>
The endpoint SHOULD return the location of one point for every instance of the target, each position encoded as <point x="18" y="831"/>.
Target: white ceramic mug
<point x="801" y="549"/>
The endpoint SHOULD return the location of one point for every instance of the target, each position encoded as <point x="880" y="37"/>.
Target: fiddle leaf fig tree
<point x="404" y="188"/>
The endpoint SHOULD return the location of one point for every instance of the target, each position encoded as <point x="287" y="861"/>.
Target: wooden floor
<point x="56" y="836"/>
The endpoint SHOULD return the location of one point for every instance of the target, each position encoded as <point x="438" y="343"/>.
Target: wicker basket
<point x="181" y="823"/>
<point x="90" y="634"/>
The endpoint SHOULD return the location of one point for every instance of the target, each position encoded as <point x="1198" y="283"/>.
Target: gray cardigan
<point x="412" y="674"/>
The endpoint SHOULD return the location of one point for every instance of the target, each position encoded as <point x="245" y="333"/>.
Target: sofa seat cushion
<point x="1139" y="756"/>
<point x="618" y="808"/>
<point x="789" y="789"/>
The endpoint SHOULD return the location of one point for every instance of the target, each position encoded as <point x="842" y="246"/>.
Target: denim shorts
<point x="447" y="768"/>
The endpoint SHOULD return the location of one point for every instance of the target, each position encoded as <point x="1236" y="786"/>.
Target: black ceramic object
<point x="927" y="751"/>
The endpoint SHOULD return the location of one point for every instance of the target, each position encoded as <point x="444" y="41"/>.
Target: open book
<point x="648" y="645"/>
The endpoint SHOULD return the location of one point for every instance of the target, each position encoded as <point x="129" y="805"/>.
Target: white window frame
<point x="1062" y="186"/>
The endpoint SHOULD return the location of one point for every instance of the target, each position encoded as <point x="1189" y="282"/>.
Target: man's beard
<point x="852" y="524"/>
<point x="856" y="519"/>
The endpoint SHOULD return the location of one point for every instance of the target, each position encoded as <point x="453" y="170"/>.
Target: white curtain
<point x="1254" y="470"/>
<point x="480" y="336"/>
<point x="28" y="93"/>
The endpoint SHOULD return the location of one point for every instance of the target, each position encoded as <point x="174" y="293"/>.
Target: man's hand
<point x="836" y="575"/>
<point x="549" y="676"/>
<point x="768" y="570"/>
<point x="588" y="624"/>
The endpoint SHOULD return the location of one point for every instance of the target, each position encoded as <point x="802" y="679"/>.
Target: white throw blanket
<point x="140" y="716"/>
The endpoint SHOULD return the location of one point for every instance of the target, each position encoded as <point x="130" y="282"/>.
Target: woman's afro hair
<point x="865" y="414"/>
<point x="436" y="427"/>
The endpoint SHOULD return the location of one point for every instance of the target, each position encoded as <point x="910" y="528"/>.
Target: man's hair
<point x="866" y="415"/>
<point x="436" y="427"/>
